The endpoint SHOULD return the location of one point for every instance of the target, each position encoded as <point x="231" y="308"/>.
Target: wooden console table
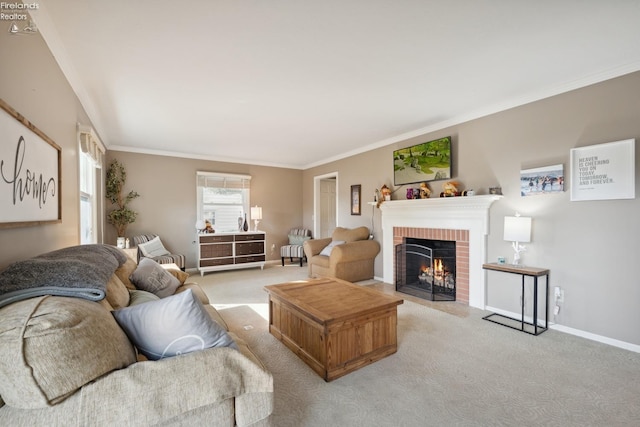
<point x="524" y="272"/>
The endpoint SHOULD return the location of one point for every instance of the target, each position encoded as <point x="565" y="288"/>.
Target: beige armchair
<point x="351" y="260"/>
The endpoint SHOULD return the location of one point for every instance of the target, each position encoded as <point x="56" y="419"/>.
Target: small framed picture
<point x="544" y="180"/>
<point x="355" y="199"/>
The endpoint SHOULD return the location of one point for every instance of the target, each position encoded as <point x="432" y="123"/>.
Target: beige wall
<point x="32" y="83"/>
<point x="167" y="202"/>
<point x="590" y="247"/>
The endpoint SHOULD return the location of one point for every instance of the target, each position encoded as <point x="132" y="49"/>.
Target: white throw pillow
<point x="327" y="249"/>
<point x="153" y="247"/>
<point x="174" y="325"/>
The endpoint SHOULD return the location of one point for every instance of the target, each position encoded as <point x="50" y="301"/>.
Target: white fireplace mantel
<point x="461" y="213"/>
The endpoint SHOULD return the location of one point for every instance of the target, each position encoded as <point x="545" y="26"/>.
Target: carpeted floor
<point x="452" y="369"/>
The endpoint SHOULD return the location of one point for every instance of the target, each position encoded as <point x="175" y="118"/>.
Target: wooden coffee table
<point x="334" y="326"/>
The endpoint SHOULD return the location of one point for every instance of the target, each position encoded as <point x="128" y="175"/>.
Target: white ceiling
<point x="297" y="83"/>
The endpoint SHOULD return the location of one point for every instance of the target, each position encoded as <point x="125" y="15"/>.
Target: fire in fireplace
<point x="426" y="268"/>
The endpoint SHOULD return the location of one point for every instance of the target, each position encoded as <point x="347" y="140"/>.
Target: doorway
<point x="325" y="210"/>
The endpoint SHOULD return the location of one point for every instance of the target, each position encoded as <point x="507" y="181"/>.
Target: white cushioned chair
<point x="294" y="249"/>
<point x="150" y="246"/>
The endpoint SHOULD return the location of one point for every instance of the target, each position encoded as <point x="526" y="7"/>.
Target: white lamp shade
<point x="200" y="225"/>
<point x="517" y="228"/>
<point x="256" y="212"/>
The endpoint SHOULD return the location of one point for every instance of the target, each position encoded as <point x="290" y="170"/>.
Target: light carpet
<point x="448" y="371"/>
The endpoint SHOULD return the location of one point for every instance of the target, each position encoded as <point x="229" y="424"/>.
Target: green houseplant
<point x="121" y="216"/>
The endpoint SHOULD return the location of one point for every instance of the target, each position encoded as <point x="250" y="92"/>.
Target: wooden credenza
<point x="226" y="251"/>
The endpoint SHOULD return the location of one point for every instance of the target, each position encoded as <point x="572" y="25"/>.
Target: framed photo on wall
<point x="355" y="199"/>
<point x="544" y="180"/>
<point x="30" y="171"/>
<point x="603" y="171"/>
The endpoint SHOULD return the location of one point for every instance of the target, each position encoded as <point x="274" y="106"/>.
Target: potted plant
<point x="121" y="216"/>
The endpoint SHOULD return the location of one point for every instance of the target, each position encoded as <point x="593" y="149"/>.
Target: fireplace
<point x="426" y="269"/>
<point x="463" y="220"/>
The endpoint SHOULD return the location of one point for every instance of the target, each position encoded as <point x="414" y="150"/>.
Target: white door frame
<point x="316" y="200"/>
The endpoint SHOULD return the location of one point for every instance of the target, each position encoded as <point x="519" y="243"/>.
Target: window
<point x="90" y="178"/>
<point x="223" y="199"/>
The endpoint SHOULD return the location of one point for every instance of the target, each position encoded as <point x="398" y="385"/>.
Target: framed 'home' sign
<point x="29" y="173"/>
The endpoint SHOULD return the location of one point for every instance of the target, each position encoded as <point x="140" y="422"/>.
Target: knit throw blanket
<point x="77" y="271"/>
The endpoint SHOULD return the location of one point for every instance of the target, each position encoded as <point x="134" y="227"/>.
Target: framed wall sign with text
<point x="603" y="171"/>
<point x="29" y="173"/>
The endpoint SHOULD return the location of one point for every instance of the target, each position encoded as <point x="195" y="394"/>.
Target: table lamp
<point x="517" y="229"/>
<point x="256" y="216"/>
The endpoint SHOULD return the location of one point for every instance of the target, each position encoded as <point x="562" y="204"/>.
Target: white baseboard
<point x="599" y="338"/>
<point x="577" y="332"/>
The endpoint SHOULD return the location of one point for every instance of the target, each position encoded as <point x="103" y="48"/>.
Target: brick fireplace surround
<point x="461" y="237"/>
<point x="462" y="219"/>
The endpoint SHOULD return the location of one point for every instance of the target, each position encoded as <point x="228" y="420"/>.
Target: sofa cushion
<point x="117" y="293"/>
<point x="329" y="248"/>
<point x="171" y="326"/>
<point x="124" y="272"/>
<point x="153" y="248"/>
<point x="197" y="291"/>
<point x="151" y="277"/>
<point x="52" y="346"/>
<point x="215" y="315"/>
<point x="182" y="276"/>
<point x="350" y="235"/>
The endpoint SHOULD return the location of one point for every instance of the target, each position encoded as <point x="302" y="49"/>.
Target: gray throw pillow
<point x="151" y="277"/>
<point x="174" y="325"/>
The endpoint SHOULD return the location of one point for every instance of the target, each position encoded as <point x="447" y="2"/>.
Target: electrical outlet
<point x="558" y="294"/>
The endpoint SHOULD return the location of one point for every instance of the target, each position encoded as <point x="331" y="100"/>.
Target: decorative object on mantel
<point x="385" y="194"/>
<point x="419" y="193"/>
<point x="517" y="229"/>
<point x="409" y="193"/>
<point x="425" y="193"/>
<point x="450" y="189"/>
<point x="495" y="190"/>
<point x="121" y="216"/>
